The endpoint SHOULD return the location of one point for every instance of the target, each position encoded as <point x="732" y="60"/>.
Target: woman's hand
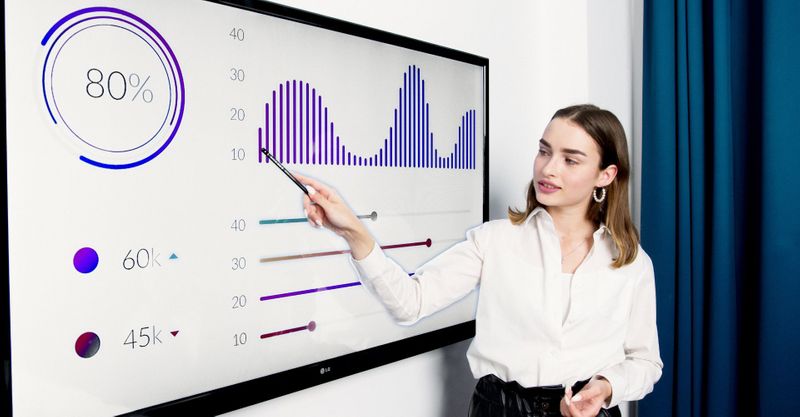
<point x="324" y="207"/>
<point x="586" y="403"/>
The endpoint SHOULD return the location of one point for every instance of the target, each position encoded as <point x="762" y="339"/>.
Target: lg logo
<point x="323" y="371"/>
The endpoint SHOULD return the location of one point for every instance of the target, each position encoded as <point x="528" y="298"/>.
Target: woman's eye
<point x="542" y="152"/>
<point x="571" y="161"/>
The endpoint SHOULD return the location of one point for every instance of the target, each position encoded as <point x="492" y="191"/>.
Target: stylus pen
<point x="285" y="171"/>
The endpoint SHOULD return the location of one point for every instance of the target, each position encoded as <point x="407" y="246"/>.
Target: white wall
<point x="544" y="55"/>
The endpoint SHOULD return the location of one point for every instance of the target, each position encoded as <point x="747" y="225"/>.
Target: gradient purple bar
<point x="259" y="145"/>
<point x="307" y="141"/>
<point x="419" y="120"/>
<point x="266" y="131"/>
<point x="300" y="136"/>
<point x="293" y="153"/>
<point x="330" y="145"/>
<point x="325" y="143"/>
<point x="428" y="135"/>
<point x="403" y="129"/>
<point x="310" y="291"/>
<point x="280" y="121"/>
<point x="313" y="125"/>
<point x="274" y="147"/>
<point x="288" y="124"/>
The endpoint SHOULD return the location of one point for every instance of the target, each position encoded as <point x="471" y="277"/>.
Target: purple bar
<point x="294" y="121"/>
<point x="307" y="141"/>
<point x="380" y="157"/>
<point x="412" y="142"/>
<point x="412" y="112"/>
<point x="463" y="155"/>
<point x="313" y="290"/>
<point x="407" y="126"/>
<point x="301" y="122"/>
<point x="313" y="125"/>
<point x="471" y="138"/>
<point x="325" y="143"/>
<point x="266" y="131"/>
<point x="403" y="128"/>
<point x="464" y="144"/>
<point x="419" y="119"/>
<point x="435" y="154"/>
<point x="330" y="145"/>
<point x="425" y="144"/>
<point x="319" y="130"/>
<point x="474" y="153"/>
<point x="459" y="146"/>
<point x="274" y="146"/>
<point x="288" y="126"/>
<point x="259" y="145"/>
<point x="468" y="141"/>
<point x="349" y="159"/>
<point x="338" y="152"/>
<point x="389" y="146"/>
<point x="394" y="141"/>
<point x="280" y="128"/>
<point x="454" y="156"/>
<point x="428" y="135"/>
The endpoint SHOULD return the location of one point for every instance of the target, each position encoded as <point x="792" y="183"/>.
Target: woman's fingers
<point x="573" y="410"/>
<point x="319" y="187"/>
<point x="564" y="406"/>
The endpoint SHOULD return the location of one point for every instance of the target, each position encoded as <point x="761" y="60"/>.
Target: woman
<point x="567" y="295"/>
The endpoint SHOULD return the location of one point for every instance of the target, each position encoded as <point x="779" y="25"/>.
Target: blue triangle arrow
<point x="173" y="256"/>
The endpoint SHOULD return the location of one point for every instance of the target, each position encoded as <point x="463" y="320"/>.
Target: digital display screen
<point x="155" y="254"/>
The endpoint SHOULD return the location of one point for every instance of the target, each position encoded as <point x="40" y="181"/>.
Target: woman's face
<point x="567" y="167"/>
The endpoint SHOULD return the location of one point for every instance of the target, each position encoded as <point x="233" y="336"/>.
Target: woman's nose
<point x="550" y="166"/>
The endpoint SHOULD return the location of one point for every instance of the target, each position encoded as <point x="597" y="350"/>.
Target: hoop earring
<point x="602" y="196"/>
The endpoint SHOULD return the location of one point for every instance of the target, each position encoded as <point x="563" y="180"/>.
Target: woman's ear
<point x="606" y="176"/>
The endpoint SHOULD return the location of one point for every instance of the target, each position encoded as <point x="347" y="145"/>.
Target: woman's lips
<point x="546" y="187"/>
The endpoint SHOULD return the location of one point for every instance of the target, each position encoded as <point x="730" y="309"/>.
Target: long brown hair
<point x="614" y="211"/>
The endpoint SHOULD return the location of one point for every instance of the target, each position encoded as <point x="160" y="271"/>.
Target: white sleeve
<point x="634" y="377"/>
<point x="440" y="282"/>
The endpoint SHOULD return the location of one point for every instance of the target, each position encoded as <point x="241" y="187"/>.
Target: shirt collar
<point x="540" y="211"/>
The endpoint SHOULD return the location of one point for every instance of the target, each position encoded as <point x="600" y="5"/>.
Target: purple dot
<point x="85" y="260"/>
<point x="312" y="326"/>
<point x="87" y="345"/>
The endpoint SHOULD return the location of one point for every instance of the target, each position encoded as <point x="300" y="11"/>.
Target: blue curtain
<point x="721" y="204"/>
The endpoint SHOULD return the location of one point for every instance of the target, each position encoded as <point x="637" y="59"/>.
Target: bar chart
<point x="298" y="130"/>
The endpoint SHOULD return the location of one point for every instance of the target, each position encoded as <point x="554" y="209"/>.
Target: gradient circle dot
<point x="85" y="260"/>
<point x="87" y="345"/>
<point x="312" y="326"/>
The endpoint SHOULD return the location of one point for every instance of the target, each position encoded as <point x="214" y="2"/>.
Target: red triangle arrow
<point x="174" y="332"/>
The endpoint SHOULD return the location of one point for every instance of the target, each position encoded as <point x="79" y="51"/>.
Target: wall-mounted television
<point x="157" y="261"/>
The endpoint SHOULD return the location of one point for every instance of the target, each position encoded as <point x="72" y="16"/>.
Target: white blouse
<point x="566" y="284"/>
<point x="521" y="334"/>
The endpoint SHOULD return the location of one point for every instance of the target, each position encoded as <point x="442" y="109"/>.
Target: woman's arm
<point x="440" y="282"/>
<point x="325" y="208"/>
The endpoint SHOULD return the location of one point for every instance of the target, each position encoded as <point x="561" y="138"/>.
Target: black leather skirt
<point x="494" y="397"/>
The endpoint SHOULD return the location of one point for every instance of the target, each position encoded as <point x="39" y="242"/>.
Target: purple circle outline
<point x="174" y="61"/>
